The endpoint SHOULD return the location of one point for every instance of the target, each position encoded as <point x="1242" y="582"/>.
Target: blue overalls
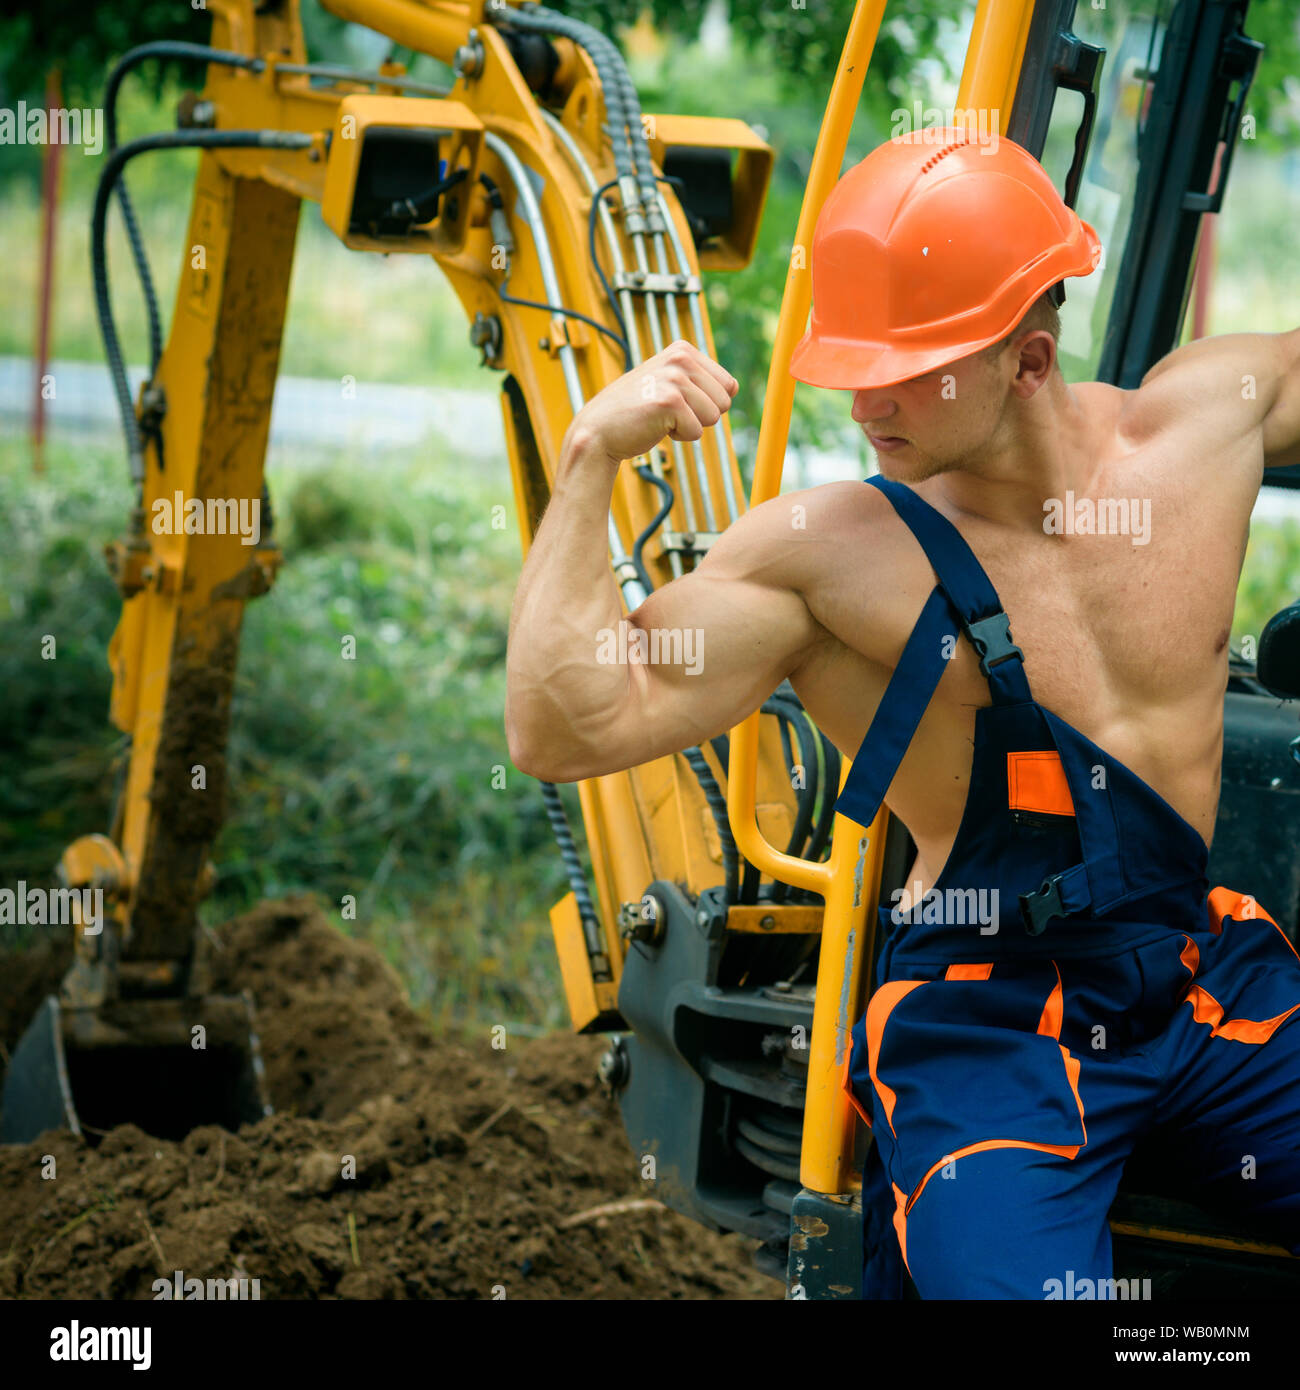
<point x="1066" y="989"/>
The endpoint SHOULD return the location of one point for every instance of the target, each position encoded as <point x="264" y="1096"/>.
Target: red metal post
<point x="45" y="290"/>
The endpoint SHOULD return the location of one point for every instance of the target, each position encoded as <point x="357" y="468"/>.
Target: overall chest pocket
<point x="968" y="1062"/>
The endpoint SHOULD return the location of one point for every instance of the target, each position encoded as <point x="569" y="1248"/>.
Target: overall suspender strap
<point x="1098" y="883"/>
<point x="972" y="594"/>
<point x="966" y="600"/>
<point x="915" y="678"/>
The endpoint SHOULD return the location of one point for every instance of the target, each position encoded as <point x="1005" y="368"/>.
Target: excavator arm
<point x="574" y="229"/>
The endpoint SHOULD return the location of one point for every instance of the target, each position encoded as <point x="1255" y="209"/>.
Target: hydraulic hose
<point x="830" y="794"/>
<point x="655" y="522"/>
<point x="503" y="237"/>
<point x="628" y="363"/>
<point x="116" y="162"/>
<point x="572" y="867"/>
<point x="785" y="705"/>
<point x="791" y="715"/>
<point x="627" y="134"/>
<point x="162" y="48"/>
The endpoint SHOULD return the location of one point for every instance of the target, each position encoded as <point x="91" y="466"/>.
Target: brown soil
<point x="468" y="1160"/>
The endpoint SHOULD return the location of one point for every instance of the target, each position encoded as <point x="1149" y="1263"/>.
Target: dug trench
<point x="478" y="1173"/>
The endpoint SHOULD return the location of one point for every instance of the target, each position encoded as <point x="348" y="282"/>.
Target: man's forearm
<point x="556" y="689"/>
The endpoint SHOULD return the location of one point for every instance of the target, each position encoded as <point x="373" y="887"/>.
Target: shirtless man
<point x="1125" y="642"/>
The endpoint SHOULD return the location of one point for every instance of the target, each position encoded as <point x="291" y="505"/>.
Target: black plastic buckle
<point x="1037" y="909"/>
<point x="991" y="638"/>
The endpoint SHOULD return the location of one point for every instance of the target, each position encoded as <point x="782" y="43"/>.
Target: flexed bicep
<point x="705" y="651"/>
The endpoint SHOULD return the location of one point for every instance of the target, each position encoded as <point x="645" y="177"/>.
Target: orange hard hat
<point x="931" y="248"/>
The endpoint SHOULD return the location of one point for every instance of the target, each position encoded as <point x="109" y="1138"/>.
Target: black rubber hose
<point x="749" y="885"/>
<point x="718" y="805"/>
<point x="807" y="794"/>
<point x="830" y="781"/>
<point x="163" y="48"/>
<point x="790" y="706"/>
<point x="752" y="880"/>
<point x="509" y="298"/>
<point x="422" y="207"/>
<point x="113" y="166"/>
<point x="722" y="748"/>
<point x="498" y="206"/>
<point x="666" y="491"/>
<point x="783" y="722"/>
<point x="572" y="864"/>
<point x="600" y="270"/>
<point x="609" y="68"/>
<point x="640" y="141"/>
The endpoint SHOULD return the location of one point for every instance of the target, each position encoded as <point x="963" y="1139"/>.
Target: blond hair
<point x="1041" y="314"/>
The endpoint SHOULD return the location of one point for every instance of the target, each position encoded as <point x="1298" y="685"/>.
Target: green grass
<point x="370" y="778"/>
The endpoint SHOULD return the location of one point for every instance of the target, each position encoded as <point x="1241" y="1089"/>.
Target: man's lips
<point x="886" y="443"/>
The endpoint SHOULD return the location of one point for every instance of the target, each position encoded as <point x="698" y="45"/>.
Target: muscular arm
<point x="1251" y="379"/>
<point x="726" y="635"/>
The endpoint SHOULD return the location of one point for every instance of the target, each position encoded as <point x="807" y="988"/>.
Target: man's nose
<point x="872" y="405"/>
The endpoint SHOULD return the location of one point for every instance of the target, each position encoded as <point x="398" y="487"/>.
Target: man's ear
<point x="1037" y="362"/>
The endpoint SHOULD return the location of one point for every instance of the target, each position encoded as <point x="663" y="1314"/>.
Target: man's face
<point x="936" y="422"/>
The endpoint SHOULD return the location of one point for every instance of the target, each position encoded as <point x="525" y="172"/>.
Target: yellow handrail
<point x="850" y="880"/>
<point x="997" y="47"/>
<point x="850" y="891"/>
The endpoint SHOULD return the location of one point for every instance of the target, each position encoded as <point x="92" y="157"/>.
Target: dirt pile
<point x="396" y="1165"/>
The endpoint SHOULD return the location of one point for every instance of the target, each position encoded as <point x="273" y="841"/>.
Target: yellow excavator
<point x="727" y="947"/>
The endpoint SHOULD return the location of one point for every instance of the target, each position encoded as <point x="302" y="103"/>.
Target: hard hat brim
<point x="863" y="366"/>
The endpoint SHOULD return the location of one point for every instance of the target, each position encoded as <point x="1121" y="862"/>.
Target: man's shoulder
<point x="825" y="507"/>
<point x="848" y="513"/>
<point x="848" y="501"/>
<point x="1209" y="387"/>
<point x="800" y="539"/>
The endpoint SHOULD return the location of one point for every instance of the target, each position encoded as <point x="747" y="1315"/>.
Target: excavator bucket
<point x="167" y="1066"/>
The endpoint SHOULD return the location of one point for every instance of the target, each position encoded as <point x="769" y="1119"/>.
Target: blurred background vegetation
<point x="375" y="778"/>
<point x="371" y="778"/>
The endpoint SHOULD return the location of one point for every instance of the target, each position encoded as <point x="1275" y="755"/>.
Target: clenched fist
<point x="678" y="393"/>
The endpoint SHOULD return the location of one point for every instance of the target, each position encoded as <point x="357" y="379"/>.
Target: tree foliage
<point x="82" y="39"/>
<point x="798" y="43"/>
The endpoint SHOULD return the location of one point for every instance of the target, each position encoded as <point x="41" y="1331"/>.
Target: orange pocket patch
<point x="1036" y="782"/>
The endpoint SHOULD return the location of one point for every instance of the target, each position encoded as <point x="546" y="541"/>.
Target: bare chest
<point x="1123" y="619"/>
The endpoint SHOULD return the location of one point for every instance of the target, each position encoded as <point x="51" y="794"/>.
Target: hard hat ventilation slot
<point x="942" y="154"/>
